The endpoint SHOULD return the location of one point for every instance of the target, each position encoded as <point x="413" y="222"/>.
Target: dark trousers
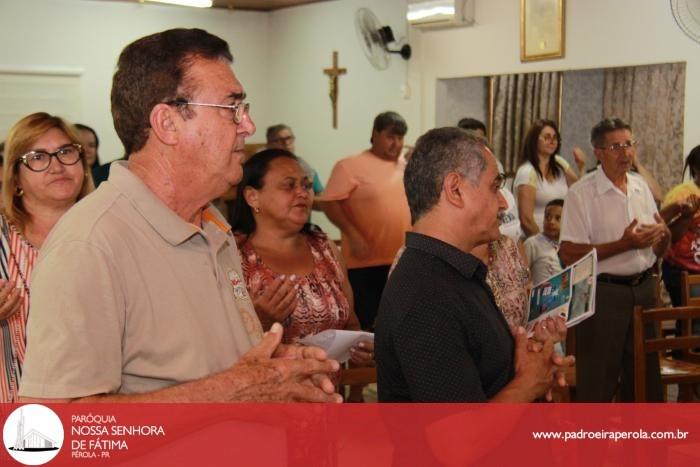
<point x="367" y="287"/>
<point x="671" y="275"/>
<point x="604" y="345"/>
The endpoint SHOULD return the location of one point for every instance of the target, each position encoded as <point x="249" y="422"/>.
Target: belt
<point x="631" y="281"/>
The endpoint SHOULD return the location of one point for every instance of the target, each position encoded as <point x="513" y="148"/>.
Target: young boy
<point x="542" y="248"/>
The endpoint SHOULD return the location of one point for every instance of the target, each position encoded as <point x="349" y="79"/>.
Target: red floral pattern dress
<point x="509" y="279"/>
<point x="321" y="301"/>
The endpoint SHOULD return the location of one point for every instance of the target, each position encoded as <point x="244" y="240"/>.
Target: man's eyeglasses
<point x="285" y="139"/>
<point x="500" y="181"/>
<point x="238" y="111"/>
<point x="38" y="161"/>
<point x="620" y="146"/>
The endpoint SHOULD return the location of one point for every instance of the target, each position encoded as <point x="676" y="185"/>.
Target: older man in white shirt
<point x="614" y="212"/>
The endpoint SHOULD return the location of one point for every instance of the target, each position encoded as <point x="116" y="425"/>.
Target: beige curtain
<point x="651" y="99"/>
<point x="516" y="101"/>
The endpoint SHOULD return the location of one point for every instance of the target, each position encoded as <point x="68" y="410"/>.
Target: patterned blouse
<point x="509" y="279"/>
<point x="321" y="301"/>
<point x="17" y="259"/>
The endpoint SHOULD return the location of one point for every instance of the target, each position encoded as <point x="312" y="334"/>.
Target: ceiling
<point x="256" y="5"/>
<point x="260" y="5"/>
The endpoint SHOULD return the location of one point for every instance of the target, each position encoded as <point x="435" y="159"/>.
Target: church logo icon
<point x="33" y="434"/>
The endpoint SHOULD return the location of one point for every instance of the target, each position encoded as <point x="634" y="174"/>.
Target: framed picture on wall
<point x="541" y="29"/>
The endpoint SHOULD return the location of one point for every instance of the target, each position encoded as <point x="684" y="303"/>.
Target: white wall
<point x="302" y="41"/>
<point x="280" y="57"/>
<point x="89" y="35"/>
<point x="599" y="33"/>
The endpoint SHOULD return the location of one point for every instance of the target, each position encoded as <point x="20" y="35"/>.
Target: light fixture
<point x="194" y="3"/>
<point x="423" y="10"/>
<point x="440" y="13"/>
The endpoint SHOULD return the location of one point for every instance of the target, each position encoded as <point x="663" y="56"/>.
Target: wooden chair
<point x="356" y="377"/>
<point x="673" y="371"/>
<point x="690" y="289"/>
<point x="690" y="296"/>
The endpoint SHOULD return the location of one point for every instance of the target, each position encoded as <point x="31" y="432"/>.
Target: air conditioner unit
<point x="440" y="13"/>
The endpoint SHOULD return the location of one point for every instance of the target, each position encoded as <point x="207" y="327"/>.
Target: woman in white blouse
<point x="543" y="174"/>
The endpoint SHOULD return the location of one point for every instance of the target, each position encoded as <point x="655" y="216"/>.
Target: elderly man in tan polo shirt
<point x="139" y="294"/>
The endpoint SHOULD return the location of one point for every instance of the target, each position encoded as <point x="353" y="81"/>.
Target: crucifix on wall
<point x="333" y="74"/>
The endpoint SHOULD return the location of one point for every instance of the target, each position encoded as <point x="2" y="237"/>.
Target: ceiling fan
<point x="375" y="39"/>
<point x="687" y="16"/>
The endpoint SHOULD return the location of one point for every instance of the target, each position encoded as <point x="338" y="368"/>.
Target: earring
<point x="257" y="210"/>
<point x="19" y="192"/>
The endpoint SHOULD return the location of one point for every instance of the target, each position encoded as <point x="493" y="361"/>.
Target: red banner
<point x="363" y="435"/>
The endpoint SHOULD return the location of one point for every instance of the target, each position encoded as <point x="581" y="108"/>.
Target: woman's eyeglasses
<point x="38" y="161"/>
<point x="550" y="138"/>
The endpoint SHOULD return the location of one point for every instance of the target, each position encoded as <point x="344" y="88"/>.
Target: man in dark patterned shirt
<point x="439" y="334"/>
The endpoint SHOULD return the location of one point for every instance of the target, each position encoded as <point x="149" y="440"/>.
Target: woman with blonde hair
<point x="37" y="190"/>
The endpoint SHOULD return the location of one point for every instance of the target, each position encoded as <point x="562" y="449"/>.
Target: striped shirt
<point x="17" y="259"/>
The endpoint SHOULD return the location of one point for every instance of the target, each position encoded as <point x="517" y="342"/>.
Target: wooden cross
<point x="333" y="74"/>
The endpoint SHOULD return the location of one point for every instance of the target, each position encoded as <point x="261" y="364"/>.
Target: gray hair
<point x="605" y="126"/>
<point x="437" y="153"/>
<point x="274" y="130"/>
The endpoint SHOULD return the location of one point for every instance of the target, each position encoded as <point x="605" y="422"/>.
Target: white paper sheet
<point x="337" y="343"/>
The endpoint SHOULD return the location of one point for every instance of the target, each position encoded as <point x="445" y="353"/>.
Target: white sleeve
<point x="575" y="225"/>
<point x="525" y="175"/>
<point x="563" y="163"/>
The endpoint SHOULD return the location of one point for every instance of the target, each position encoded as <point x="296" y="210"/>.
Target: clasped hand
<point x="539" y="363"/>
<point x="641" y="236"/>
<point x="278" y="372"/>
